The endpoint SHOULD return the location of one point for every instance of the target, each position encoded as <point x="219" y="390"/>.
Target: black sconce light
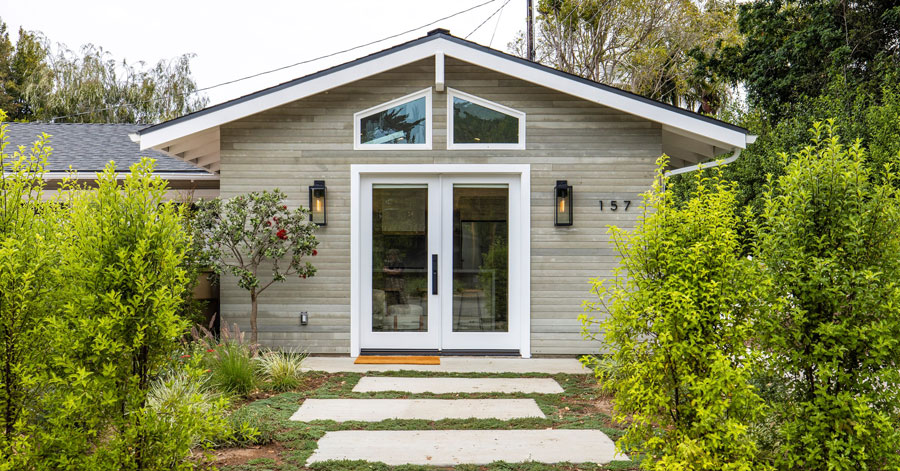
<point x="564" y="208"/>
<point x="304" y="318"/>
<point x="317" y="203"/>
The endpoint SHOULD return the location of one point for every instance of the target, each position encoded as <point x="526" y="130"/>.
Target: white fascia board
<point x="153" y="138"/>
<point x="733" y="138"/>
<point x="588" y="92"/>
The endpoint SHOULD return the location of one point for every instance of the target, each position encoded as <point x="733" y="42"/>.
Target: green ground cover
<point x="283" y="445"/>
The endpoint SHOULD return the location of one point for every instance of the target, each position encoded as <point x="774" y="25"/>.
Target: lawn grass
<point x="581" y="406"/>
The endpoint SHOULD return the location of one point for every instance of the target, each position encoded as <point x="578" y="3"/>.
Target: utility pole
<point x="529" y="42"/>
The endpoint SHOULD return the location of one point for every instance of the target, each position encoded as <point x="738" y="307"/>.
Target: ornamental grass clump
<point x="830" y="243"/>
<point x="186" y="393"/>
<point x="230" y="362"/>
<point x="678" y="321"/>
<point x="281" y="370"/>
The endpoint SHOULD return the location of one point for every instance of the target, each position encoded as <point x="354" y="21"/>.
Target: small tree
<point x="830" y="242"/>
<point x="255" y="233"/>
<point x="679" y="313"/>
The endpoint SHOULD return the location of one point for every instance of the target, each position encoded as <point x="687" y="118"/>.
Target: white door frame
<point x="523" y="276"/>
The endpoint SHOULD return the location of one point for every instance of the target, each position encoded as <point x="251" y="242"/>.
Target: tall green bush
<point x="116" y="325"/>
<point x="27" y="260"/>
<point x="679" y="320"/>
<point x="830" y="242"/>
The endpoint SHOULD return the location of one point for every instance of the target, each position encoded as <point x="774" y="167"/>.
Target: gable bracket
<point x="439" y="71"/>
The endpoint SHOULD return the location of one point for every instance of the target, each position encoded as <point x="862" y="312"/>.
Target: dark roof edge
<point x="442" y="33"/>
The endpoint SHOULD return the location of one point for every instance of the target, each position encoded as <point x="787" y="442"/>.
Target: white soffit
<point x="710" y="131"/>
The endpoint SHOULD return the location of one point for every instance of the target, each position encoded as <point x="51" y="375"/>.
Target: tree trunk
<point x="253" y="331"/>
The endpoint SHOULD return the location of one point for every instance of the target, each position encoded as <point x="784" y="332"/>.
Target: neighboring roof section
<point x="693" y="136"/>
<point x="88" y="147"/>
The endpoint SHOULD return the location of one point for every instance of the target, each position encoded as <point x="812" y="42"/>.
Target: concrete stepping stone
<point x="454" y="447"/>
<point x="458" y="385"/>
<point x="376" y="410"/>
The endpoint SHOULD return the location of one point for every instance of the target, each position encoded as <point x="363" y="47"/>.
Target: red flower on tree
<point x="315" y="252"/>
<point x="282" y="234"/>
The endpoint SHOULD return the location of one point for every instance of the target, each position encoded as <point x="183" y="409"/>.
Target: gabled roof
<point x="88" y="147"/>
<point x="701" y="135"/>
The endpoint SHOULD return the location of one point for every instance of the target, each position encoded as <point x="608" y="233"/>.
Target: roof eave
<point x="723" y="134"/>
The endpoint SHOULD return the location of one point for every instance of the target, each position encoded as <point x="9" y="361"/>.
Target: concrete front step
<point x="454" y="447"/>
<point x="458" y="385"/>
<point x="454" y="365"/>
<point x="376" y="410"/>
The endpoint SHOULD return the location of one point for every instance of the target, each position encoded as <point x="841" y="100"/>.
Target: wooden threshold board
<point x="397" y="360"/>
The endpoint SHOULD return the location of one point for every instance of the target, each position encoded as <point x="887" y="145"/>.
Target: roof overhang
<point x="687" y="136"/>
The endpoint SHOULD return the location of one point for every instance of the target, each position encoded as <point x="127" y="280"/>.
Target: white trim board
<point x="356" y="275"/>
<point x="720" y="134"/>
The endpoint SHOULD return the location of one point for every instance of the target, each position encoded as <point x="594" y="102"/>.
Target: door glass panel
<point x="399" y="258"/>
<point x="480" y="258"/>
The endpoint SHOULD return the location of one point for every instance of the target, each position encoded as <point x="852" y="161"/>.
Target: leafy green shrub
<point x="27" y="262"/>
<point x="678" y="327"/>
<point x="282" y="370"/>
<point x="113" y="327"/>
<point x="830" y="242"/>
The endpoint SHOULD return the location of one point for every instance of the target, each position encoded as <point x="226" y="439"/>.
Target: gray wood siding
<point x="602" y="152"/>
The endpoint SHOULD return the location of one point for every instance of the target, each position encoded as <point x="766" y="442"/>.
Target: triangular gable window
<point x="476" y="123"/>
<point x="404" y="123"/>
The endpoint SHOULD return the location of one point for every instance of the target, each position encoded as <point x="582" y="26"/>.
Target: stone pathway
<point x="451" y="447"/>
<point x="458" y="385"/>
<point x="376" y="410"/>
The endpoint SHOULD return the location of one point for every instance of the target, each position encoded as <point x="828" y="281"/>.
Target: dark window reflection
<point x="402" y="124"/>
<point x="475" y="124"/>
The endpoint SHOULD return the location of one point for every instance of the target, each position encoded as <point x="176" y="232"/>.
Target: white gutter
<point x="92" y="175"/>
<point x="678" y="171"/>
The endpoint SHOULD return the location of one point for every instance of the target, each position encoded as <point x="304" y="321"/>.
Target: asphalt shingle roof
<point x="88" y="147"/>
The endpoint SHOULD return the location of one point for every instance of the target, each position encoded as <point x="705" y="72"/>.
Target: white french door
<point x="435" y="261"/>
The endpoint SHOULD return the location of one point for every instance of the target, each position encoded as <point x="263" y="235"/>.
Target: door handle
<point x="434" y="273"/>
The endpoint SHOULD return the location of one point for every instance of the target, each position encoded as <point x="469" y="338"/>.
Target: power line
<point x="349" y="49"/>
<point x="486" y="20"/>
<point x="497" y="24"/>
<point x="332" y="54"/>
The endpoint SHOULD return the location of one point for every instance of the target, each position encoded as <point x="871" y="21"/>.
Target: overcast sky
<point x="232" y="39"/>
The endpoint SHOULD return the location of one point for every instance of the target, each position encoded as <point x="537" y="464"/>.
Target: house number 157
<point x="614" y="205"/>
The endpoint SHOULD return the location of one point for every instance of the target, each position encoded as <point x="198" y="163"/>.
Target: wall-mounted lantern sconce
<point x="304" y="318"/>
<point x="564" y="208"/>
<point x="317" y="203"/>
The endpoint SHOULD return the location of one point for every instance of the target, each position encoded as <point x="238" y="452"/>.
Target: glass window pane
<point x="402" y="124"/>
<point x="400" y="258"/>
<point x="480" y="258"/>
<point x="475" y="124"/>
